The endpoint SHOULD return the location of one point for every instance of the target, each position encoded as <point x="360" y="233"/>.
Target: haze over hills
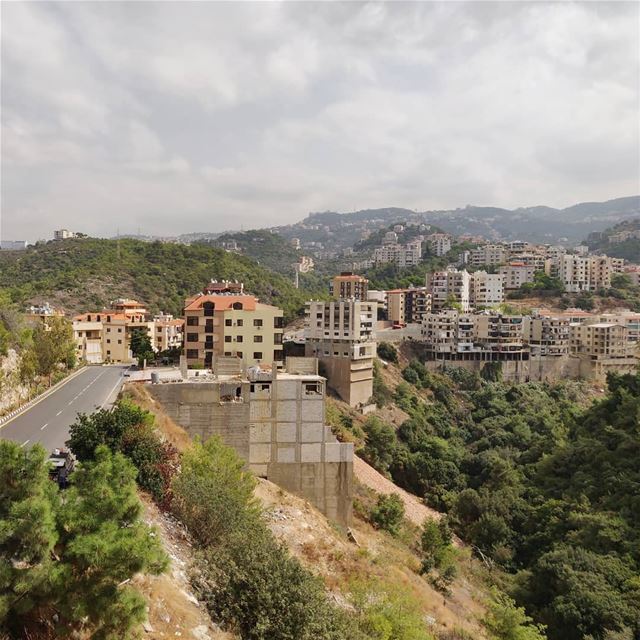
<point x="535" y="224"/>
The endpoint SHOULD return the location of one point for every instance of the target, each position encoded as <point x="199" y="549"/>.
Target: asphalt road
<point x="48" y="421"/>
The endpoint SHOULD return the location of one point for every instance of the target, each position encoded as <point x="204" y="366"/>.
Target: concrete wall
<point x="277" y="426"/>
<point x="352" y="380"/>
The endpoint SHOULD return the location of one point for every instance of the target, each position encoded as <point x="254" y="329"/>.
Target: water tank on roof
<point x="155" y="377"/>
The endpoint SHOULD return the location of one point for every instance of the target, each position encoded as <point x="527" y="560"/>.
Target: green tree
<point x="53" y="345"/>
<point x="380" y="442"/>
<point x="213" y="493"/>
<point x="506" y="621"/>
<point x="388" y="513"/>
<point x="387" y="352"/>
<point x="28" y="533"/>
<point x="141" y="345"/>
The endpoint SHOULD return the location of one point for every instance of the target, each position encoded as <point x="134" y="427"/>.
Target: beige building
<point x="350" y="285"/>
<point x="440" y="243"/>
<point x="105" y="336"/>
<point x="232" y="325"/>
<point x="515" y="274"/>
<point x="487" y="254"/>
<point x="340" y="334"/>
<point x="407" y="255"/>
<point x="587" y="273"/>
<point x="547" y="336"/>
<point x="406" y="306"/>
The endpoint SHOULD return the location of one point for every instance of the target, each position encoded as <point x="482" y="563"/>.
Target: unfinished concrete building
<point x="275" y="420"/>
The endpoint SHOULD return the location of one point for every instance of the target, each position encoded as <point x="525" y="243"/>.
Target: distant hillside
<point x="629" y="249"/>
<point x="535" y="224"/>
<point x="83" y="274"/>
<point x="267" y="249"/>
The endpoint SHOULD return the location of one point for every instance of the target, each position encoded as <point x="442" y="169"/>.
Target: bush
<point x="380" y="443"/>
<point x="388" y="352"/>
<point x="388" y="513"/>
<point x="506" y="621"/>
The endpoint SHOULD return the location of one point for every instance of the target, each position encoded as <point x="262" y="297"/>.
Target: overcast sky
<point x="178" y="117"/>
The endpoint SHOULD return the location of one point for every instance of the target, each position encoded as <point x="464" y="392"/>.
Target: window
<point x="192" y="337"/>
<point x="277" y="338"/>
<point x="278" y="355"/>
<point x="239" y="339"/>
<point x="257" y="355"/>
<point x="240" y="323"/>
<point x="312" y="388"/>
<point x="108" y="352"/>
<point x="237" y="306"/>
<point x="257" y="322"/>
<point x="119" y="341"/>
<point x="192" y="321"/>
<point x="257" y="338"/>
<point x="108" y="329"/>
<point x="108" y="341"/>
<point x="227" y="354"/>
<point x="228" y="322"/>
<point x="119" y="329"/>
<point x="209" y="308"/>
<point x="192" y="353"/>
<point x="278" y="322"/>
<point x="227" y="338"/>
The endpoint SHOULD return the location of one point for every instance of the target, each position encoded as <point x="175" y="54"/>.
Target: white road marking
<point x="115" y="386"/>
<point x="59" y="412"/>
<point x="25" y="443"/>
<point x="43" y="426"/>
<point x="70" y="402"/>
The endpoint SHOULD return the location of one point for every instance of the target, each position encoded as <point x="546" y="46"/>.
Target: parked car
<point x="61" y="466"/>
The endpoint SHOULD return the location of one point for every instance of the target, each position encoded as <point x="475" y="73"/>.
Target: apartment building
<point x="168" y="332"/>
<point x="486" y="289"/>
<point x="105" y="336"/>
<point x="350" y="285"/>
<point x="547" y="335"/>
<point x="586" y="273"/>
<point x="407" y="255"/>
<point x="600" y="340"/>
<point x="449" y="286"/>
<point x="63" y="234"/>
<point x="406" y="306"/>
<point x="340" y="334"/>
<point x="453" y="335"/>
<point x="632" y="271"/>
<point x="232" y="325"/>
<point x="487" y="254"/>
<point x="440" y="243"/>
<point x="515" y="274"/>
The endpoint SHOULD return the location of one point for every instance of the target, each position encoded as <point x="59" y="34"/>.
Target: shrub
<point x="388" y="352"/>
<point x="388" y="513"/>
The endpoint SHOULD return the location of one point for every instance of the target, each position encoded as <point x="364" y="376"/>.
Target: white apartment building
<point x="487" y="289"/>
<point x="516" y="274"/>
<point x="63" y="234"/>
<point x="487" y="254"/>
<point x="408" y="255"/>
<point x="449" y="286"/>
<point x="440" y="243"/>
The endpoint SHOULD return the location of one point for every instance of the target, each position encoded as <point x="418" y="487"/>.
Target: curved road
<point x="49" y="419"/>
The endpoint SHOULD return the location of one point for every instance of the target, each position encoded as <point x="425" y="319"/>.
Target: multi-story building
<point x="547" y="335"/>
<point x="406" y="306"/>
<point x="600" y="340"/>
<point x="232" y="325"/>
<point x="349" y="285"/>
<point x="515" y="274"/>
<point x="499" y="333"/>
<point x="340" y="334"/>
<point x="440" y="243"/>
<point x="487" y="289"/>
<point x="632" y="271"/>
<point x="168" y="332"/>
<point x="487" y="254"/>
<point x="105" y="336"/>
<point x="449" y="286"/>
<point x="63" y="234"/>
<point x="585" y="273"/>
<point x="407" y="255"/>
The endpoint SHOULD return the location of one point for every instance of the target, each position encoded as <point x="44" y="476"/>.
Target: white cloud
<point x="212" y="115"/>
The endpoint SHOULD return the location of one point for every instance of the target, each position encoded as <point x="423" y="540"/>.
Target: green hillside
<point x="84" y="274"/>
<point x="628" y="249"/>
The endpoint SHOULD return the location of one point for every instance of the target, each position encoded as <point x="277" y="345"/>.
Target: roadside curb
<point x="42" y="396"/>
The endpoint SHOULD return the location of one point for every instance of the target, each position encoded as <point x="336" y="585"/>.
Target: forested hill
<point x="628" y="249"/>
<point x="87" y="273"/>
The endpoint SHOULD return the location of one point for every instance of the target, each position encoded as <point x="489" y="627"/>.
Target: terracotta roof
<point x="221" y="302"/>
